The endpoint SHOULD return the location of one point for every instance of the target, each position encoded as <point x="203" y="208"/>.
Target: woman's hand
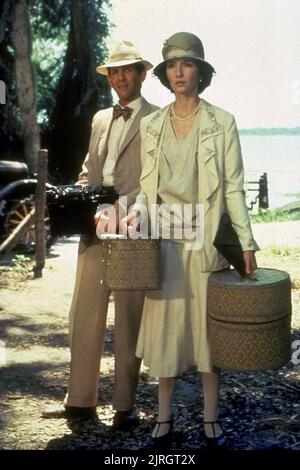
<point x="130" y="224"/>
<point x="250" y="263"/>
<point x="107" y="220"/>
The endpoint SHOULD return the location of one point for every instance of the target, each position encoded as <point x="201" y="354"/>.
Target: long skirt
<point x="173" y="333"/>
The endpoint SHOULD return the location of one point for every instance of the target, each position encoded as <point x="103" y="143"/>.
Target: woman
<point x="190" y="155"/>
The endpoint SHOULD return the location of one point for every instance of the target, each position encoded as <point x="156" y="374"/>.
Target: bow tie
<point x="125" y="112"/>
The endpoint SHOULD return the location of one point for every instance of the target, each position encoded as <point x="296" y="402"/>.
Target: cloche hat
<point x="181" y="45"/>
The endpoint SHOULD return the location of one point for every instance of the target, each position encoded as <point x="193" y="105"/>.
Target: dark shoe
<point x="164" y="440"/>
<point x="69" y="412"/>
<point x="214" y="441"/>
<point x="125" y="420"/>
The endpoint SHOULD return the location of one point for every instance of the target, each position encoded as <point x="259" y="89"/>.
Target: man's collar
<point x="135" y="104"/>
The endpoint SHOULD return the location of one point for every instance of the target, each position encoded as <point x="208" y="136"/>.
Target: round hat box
<point x="130" y="264"/>
<point x="249" y="321"/>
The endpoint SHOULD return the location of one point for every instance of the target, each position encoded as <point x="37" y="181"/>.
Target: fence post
<point x="263" y="199"/>
<point x="40" y="205"/>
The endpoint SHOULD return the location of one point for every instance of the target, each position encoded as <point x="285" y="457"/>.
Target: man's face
<point x="126" y="81"/>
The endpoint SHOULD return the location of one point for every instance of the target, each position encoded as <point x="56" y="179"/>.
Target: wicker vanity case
<point x="249" y="321"/>
<point x="131" y="264"/>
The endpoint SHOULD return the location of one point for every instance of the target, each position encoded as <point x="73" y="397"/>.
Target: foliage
<point x="80" y="91"/>
<point x="22" y="264"/>
<point x="281" y="250"/>
<point x="10" y="123"/>
<point x="51" y="24"/>
<point x="277" y="215"/>
<point x="294" y="195"/>
<point x="48" y="59"/>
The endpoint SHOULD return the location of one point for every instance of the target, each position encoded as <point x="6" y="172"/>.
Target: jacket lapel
<point x="210" y="128"/>
<point x="153" y="134"/>
<point x="104" y="136"/>
<point x="135" y="126"/>
<point x="98" y="143"/>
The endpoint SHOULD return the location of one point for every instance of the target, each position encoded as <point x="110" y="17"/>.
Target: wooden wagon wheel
<point x="15" y="216"/>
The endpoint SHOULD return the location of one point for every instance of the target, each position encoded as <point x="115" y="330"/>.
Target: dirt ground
<point x="258" y="410"/>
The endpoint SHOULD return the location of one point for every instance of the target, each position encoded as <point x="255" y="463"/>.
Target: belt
<point x="109" y="188"/>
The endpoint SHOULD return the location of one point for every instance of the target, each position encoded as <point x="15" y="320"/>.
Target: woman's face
<point x="183" y="76"/>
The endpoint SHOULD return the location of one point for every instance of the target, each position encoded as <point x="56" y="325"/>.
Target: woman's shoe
<point x="214" y="441"/>
<point x="159" y="441"/>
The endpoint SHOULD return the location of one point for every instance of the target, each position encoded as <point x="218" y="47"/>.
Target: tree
<point x="10" y="124"/>
<point x="50" y="24"/>
<point x="80" y="92"/>
<point x="25" y="82"/>
<point x="68" y="41"/>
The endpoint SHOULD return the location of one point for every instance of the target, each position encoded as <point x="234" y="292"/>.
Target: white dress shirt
<point x="118" y="131"/>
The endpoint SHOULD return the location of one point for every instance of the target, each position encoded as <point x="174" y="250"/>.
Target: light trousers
<point x="88" y="315"/>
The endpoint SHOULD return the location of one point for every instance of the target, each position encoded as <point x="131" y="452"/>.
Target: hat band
<point x="120" y="57"/>
<point x="182" y="53"/>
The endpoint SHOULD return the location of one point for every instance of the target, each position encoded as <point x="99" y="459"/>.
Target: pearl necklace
<point x="190" y="115"/>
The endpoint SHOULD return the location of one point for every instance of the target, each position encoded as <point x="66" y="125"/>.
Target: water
<point x="279" y="157"/>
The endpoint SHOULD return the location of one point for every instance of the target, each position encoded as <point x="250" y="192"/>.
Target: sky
<point x="254" y="45"/>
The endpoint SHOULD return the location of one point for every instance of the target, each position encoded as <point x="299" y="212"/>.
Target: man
<point x="113" y="160"/>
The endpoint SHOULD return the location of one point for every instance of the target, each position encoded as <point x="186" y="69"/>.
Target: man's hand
<point x="107" y="220"/>
<point x="250" y="263"/>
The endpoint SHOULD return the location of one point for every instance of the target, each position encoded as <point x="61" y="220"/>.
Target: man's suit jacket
<point x="128" y="164"/>
<point x="221" y="176"/>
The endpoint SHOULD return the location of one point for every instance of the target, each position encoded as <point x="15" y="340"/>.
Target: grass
<point x="280" y="250"/>
<point x="277" y="215"/>
<point x="295" y="195"/>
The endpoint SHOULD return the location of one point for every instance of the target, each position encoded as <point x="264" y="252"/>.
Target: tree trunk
<point x="25" y="82"/>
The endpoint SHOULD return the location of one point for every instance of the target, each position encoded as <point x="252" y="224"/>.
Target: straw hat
<point x="125" y="53"/>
